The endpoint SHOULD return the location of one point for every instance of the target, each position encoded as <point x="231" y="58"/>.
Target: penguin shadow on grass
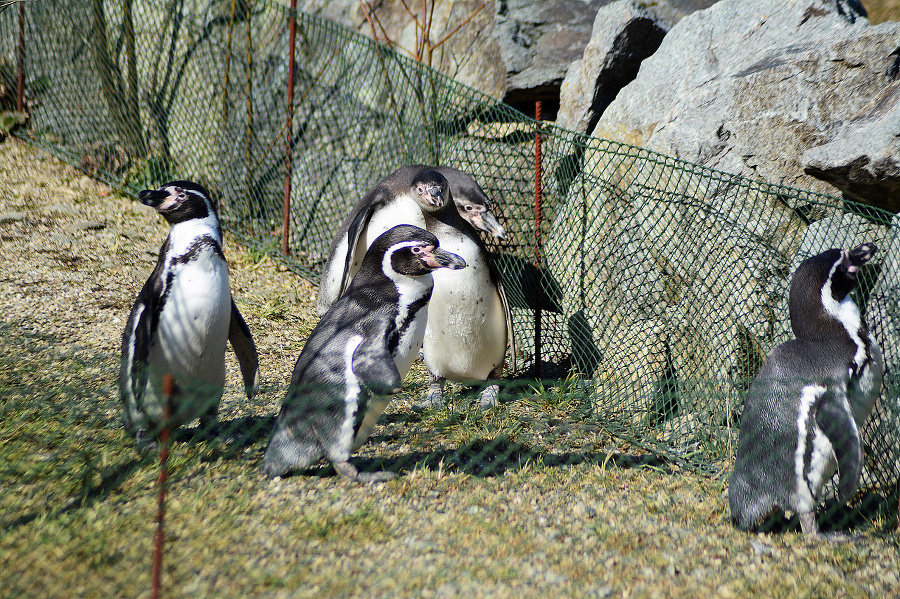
<point x="486" y="458"/>
<point x="226" y="438"/>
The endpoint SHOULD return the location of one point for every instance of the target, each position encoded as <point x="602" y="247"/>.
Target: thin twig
<point x="458" y="27"/>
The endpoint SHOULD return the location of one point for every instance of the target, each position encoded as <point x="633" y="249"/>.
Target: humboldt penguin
<point x="356" y="357"/>
<point x="469" y="323"/>
<point x="182" y="319"/>
<point x="805" y="409"/>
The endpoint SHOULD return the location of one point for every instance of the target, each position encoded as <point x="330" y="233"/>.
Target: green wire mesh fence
<point x="661" y="284"/>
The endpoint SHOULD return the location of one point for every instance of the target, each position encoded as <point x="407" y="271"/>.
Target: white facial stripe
<point x="846" y="313"/>
<point x="386" y="265"/>
<point x="808" y="397"/>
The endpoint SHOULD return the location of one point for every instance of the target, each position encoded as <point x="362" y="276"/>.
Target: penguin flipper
<point x="134" y="371"/>
<point x="379" y="378"/>
<point x="335" y="277"/>
<point x="245" y="349"/>
<point x="355" y="228"/>
<point x="835" y="418"/>
<point x="376" y="370"/>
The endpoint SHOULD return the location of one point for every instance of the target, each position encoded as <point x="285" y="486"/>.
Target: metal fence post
<point x="159" y="539"/>
<point x="538" y="221"/>
<point x="289" y="167"/>
<point x="20" y="93"/>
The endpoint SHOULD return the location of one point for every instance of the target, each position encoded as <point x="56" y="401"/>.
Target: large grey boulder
<point x="748" y="86"/>
<point x="624" y="34"/>
<point x="538" y="41"/>
<point x="863" y="158"/>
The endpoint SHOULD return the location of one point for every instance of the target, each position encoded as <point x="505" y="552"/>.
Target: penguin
<point x="392" y="201"/>
<point x="806" y="407"/>
<point x="357" y="355"/>
<point x="469" y="322"/>
<point x="181" y="320"/>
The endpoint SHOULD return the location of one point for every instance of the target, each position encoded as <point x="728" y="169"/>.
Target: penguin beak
<point x="861" y="254"/>
<point x="161" y="199"/>
<point x="435" y="196"/>
<point x="486" y="221"/>
<point x="438" y="258"/>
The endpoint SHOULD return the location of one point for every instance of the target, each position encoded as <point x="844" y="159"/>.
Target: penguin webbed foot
<point x="433" y="399"/>
<point x="350" y="472"/>
<point x="144" y="442"/>
<point x="490" y="396"/>
<point x="808" y="524"/>
<point x="811" y="530"/>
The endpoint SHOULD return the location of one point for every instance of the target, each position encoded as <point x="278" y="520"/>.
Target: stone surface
<point x="624" y="34"/>
<point x="863" y="159"/>
<point x="747" y="87"/>
<point x="515" y="50"/>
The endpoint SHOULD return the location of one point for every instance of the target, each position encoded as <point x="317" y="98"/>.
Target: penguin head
<point x="821" y="284"/>
<point x="411" y="251"/>
<point x="179" y="201"/>
<point x="471" y="202"/>
<point x="479" y="214"/>
<point x="430" y="190"/>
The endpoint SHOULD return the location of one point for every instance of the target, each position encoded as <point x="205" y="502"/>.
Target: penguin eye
<point x="417" y="249"/>
<point x="470" y="208"/>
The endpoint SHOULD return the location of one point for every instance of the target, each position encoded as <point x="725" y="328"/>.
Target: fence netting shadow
<point x="661" y="285"/>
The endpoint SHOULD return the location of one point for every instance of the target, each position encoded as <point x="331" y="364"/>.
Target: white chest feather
<point x="193" y="325"/>
<point x="411" y="319"/>
<point x="466" y="333"/>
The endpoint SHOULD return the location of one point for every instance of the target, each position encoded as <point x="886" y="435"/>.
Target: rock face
<point x="624" y="35"/>
<point x="748" y="87"/>
<point x="863" y="158"/>
<point x="538" y="42"/>
<point x="518" y="51"/>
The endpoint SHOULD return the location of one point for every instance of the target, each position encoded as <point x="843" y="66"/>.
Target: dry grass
<point x="528" y="499"/>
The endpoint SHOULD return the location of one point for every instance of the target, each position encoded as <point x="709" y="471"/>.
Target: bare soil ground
<point x="523" y="500"/>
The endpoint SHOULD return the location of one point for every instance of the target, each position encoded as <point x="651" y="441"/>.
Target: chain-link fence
<point x="660" y="285"/>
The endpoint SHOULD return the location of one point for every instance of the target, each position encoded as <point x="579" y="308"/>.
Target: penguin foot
<point x="808" y="524"/>
<point x="434" y="398"/>
<point x="145" y="442"/>
<point x="490" y="397"/>
<point x="349" y="471"/>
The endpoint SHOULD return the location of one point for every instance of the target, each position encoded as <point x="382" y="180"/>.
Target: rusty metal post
<point x="20" y="95"/>
<point x="289" y="151"/>
<point x="158" y="541"/>
<point x="538" y="221"/>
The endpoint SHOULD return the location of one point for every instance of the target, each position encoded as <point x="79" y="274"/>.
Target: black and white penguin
<point x="182" y="319"/>
<point x="469" y="320"/>
<point x="357" y="355"/>
<point x="807" y="405"/>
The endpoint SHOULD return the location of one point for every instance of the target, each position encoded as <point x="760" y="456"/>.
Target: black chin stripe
<point x="200" y="245"/>
<point x="397" y="335"/>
